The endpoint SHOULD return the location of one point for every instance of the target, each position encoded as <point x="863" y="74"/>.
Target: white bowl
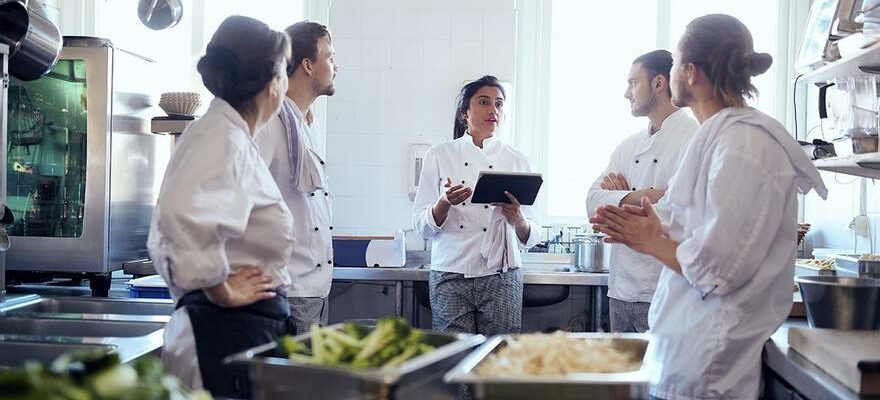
<point x="180" y="103"/>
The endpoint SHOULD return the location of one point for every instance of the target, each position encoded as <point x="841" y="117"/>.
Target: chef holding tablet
<point x="475" y="284"/>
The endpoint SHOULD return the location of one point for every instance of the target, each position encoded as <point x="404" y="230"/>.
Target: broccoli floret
<point x="317" y="343"/>
<point x="402" y="357"/>
<point x="292" y="346"/>
<point x="354" y="330"/>
<point x="388" y="352"/>
<point x="343" y="338"/>
<point x="388" y="330"/>
<point x="424" y="348"/>
<point x="355" y="346"/>
<point x="112" y="382"/>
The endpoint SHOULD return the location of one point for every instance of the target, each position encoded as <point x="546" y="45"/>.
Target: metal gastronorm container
<point x="627" y="385"/>
<point x="275" y="377"/>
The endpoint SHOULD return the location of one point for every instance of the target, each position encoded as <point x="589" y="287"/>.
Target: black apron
<point x="220" y="332"/>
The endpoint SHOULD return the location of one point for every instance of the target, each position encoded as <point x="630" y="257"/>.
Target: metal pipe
<point x="398" y="298"/>
<point x="4" y="87"/>
<point x="598" y="297"/>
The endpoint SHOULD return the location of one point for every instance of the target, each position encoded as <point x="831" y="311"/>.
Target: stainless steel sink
<point x="44" y="328"/>
<point x="11" y="325"/>
<point x="15" y="354"/>
<point x="91" y="305"/>
<point x="16" y="349"/>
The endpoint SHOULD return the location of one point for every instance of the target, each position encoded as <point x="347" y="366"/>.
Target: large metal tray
<point x="628" y="385"/>
<point x="851" y="263"/>
<point x="275" y="377"/>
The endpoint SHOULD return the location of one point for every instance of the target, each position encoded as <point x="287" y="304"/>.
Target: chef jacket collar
<point x="488" y="143"/>
<point x="667" y="122"/>
<point x="233" y="116"/>
<point x="296" y="110"/>
<point x="666" y="125"/>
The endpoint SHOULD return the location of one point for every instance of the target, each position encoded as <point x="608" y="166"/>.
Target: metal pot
<point x="160" y="14"/>
<point x="591" y="254"/>
<point x="34" y="41"/>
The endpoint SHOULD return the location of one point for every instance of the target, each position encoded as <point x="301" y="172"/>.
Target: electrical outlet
<point x="860" y="226"/>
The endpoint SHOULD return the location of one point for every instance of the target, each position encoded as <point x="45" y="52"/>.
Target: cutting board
<point x="797" y="307"/>
<point x="851" y="357"/>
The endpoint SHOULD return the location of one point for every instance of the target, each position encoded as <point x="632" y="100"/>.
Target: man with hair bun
<point x="641" y="166"/>
<point x="726" y="229"/>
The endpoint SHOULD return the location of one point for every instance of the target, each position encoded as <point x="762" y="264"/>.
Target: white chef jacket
<point x="311" y="263"/>
<point x="456" y="244"/>
<point x="647" y="162"/>
<point x="732" y="207"/>
<point x="218" y="210"/>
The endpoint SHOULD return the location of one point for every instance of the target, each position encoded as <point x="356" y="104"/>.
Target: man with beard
<point x="725" y="231"/>
<point x="290" y="149"/>
<point x="641" y="166"/>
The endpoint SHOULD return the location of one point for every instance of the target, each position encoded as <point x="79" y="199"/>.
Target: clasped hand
<point x="638" y="227"/>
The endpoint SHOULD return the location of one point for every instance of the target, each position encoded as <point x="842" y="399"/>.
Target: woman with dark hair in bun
<point x="221" y="235"/>
<point x="726" y="230"/>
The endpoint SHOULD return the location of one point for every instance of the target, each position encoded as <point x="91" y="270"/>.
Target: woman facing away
<point x="221" y="235"/>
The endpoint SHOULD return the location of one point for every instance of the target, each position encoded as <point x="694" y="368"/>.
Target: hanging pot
<point x="34" y="41"/>
<point x="160" y="14"/>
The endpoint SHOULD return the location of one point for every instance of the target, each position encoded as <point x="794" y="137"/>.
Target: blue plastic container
<point x="144" y="292"/>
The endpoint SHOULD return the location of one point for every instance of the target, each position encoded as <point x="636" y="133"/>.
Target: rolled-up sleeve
<point x="743" y="213"/>
<point x="597" y="197"/>
<point x="426" y="196"/>
<point x="199" y="210"/>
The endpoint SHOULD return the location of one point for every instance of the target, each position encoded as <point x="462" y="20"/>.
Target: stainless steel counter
<point x="533" y="274"/>
<point x="807" y="378"/>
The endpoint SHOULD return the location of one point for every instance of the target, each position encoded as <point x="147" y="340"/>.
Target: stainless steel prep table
<point x="802" y="375"/>
<point x="533" y="274"/>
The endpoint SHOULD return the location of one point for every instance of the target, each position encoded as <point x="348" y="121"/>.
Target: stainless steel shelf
<point x="869" y="57"/>
<point x="865" y="165"/>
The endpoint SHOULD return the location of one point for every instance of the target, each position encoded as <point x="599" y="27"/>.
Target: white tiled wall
<point x="402" y="63"/>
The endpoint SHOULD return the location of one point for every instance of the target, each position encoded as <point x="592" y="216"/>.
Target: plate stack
<point x="871" y="19"/>
<point x="180" y="103"/>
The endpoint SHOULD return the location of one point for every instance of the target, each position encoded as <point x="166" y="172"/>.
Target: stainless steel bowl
<point x="839" y="302"/>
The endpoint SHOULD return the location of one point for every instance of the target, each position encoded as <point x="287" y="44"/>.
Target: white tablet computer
<point x="491" y="186"/>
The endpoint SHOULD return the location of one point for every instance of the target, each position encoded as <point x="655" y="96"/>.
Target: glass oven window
<point x="46" y="145"/>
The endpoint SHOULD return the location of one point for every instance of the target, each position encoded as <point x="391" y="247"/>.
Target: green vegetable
<point x="391" y="343"/>
<point x="354" y="330"/>
<point x="341" y="338"/>
<point x="92" y="376"/>
<point x="291" y="345"/>
<point x="113" y="382"/>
